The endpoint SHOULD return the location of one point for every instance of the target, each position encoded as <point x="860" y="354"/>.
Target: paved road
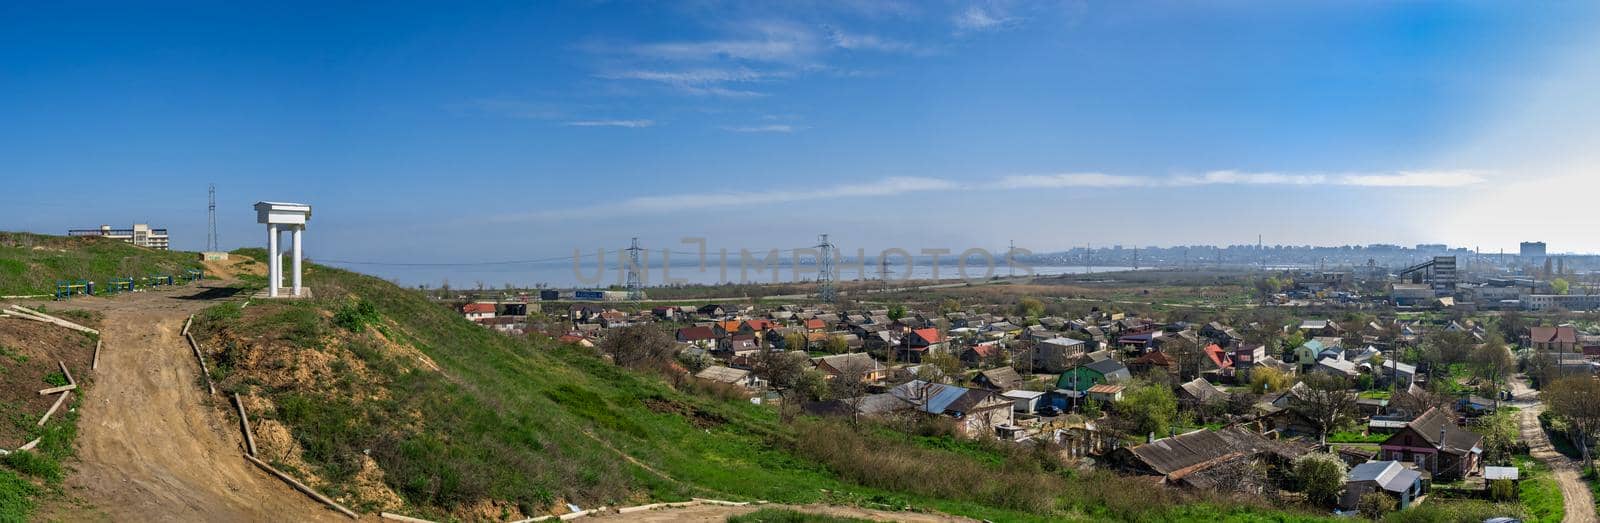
<point x="1579" y="504"/>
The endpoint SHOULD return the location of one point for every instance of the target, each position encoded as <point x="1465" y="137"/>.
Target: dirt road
<point x="718" y="514"/>
<point x="149" y="448"/>
<point x="1574" y="492"/>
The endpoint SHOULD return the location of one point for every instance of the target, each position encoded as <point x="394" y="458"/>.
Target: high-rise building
<point x="1532" y="250"/>
<point x="140" y="234"/>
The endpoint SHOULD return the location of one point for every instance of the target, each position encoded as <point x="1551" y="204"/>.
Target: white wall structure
<point x="280" y="217"/>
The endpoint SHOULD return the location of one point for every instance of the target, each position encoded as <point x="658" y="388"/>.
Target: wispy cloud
<point x="703" y="81"/>
<point x="1088" y="180"/>
<point x="979" y="18"/>
<point x="692" y="201"/>
<point x="761" y="41"/>
<point x="1438" y="179"/>
<point x="870" y="42"/>
<point x="632" y="124"/>
<point x="772" y="128"/>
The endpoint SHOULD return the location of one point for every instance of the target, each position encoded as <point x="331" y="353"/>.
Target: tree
<point x="639" y="347"/>
<point x="1560" y="285"/>
<point x="785" y="373"/>
<point x="1320" y="475"/>
<point x="1265" y="380"/>
<point x="1501" y="435"/>
<point x="1576" y="400"/>
<point x="1150" y="407"/>
<point x="1294" y="340"/>
<point x="949" y="305"/>
<point x="1325" y="401"/>
<point x="835" y="344"/>
<point x="1185" y="354"/>
<point x="1374" y="505"/>
<point x="1492" y="361"/>
<point x="948" y="364"/>
<point x="794" y="341"/>
<point x="849" y="385"/>
<point x="896" y="312"/>
<point x="1030" y="307"/>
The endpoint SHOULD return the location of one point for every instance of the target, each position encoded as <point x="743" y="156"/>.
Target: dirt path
<point x="1567" y="472"/>
<point x="149" y="448"/>
<point x="718" y="514"/>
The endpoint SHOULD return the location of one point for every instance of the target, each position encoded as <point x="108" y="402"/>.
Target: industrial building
<point x="1532" y="250"/>
<point x="140" y="234"/>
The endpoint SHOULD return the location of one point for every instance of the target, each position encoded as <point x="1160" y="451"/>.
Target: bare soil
<point x="152" y="445"/>
<point x="1567" y="471"/>
<point x="29" y="351"/>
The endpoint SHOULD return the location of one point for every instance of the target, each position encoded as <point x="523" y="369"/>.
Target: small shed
<point x="1027" y="401"/>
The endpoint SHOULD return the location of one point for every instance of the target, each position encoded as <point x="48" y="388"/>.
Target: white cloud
<point x="1057" y="181"/>
<point x="632" y="124"/>
<point x="703" y="82"/>
<point x="759" y="41"/>
<point x="1087" y="180"/>
<point x="773" y="128"/>
<point x="979" y="18"/>
<point x="868" y="42"/>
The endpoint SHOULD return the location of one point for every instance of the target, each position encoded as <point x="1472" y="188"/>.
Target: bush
<point x="1502" y="490"/>
<point x="356" y="315"/>
<point x="1375" y="505"/>
<point x="773" y="515"/>
<point x="1320" y="476"/>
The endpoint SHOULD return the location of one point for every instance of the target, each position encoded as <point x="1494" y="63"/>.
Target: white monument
<point x="279" y="217"/>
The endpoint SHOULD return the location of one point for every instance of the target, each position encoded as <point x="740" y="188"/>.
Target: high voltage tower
<point x="825" y="274"/>
<point x="211" y="216"/>
<point x="635" y="284"/>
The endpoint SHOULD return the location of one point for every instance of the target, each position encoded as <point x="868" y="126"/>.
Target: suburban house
<point x="731" y="376"/>
<point x="700" y="336"/>
<point x="1216" y="363"/>
<point x="1153" y="361"/>
<point x="1026" y="401"/>
<point x="1056" y="354"/>
<point x="852" y="363"/>
<point x="1105" y="393"/>
<point x="998" y="379"/>
<point x="982" y="352"/>
<point x="1559" y="339"/>
<point x="1205" y="459"/>
<point x="1436" y="444"/>
<point x="1082" y="377"/>
<point x="1388" y="477"/>
<point x="920" y="342"/>
<point x="1312" y="328"/>
<point x="1200" y="392"/>
<point x="977" y="412"/>
<point x="1338" y="367"/>
<point x="1392" y="373"/>
<point x="477" y="311"/>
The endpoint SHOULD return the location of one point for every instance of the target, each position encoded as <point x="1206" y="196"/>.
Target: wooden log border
<point x="301" y="487"/>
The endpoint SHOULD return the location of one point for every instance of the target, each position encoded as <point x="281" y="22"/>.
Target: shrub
<point x="1320" y="476"/>
<point x="1374" y="505"/>
<point x="355" y="315"/>
<point x="1502" y="490"/>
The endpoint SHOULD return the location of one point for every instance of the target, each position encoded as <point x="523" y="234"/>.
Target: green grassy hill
<point x="31" y="263"/>
<point x="391" y="402"/>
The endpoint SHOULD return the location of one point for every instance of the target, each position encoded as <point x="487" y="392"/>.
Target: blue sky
<point x="460" y="131"/>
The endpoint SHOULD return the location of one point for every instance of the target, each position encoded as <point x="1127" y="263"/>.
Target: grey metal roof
<point x="1390" y="475"/>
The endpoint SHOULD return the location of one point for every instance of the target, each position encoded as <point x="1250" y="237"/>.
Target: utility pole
<point x="211" y="216"/>
<point x="1010" y="266"/>
<point x="825" y="274"/>
<point x="635" y="284"/>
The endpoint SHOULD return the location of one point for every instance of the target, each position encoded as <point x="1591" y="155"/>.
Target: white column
<point x="297" y="230"/>
<point x="273" y="260"/>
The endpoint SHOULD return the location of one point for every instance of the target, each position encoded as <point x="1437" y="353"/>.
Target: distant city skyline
<point x="452" y="133"/>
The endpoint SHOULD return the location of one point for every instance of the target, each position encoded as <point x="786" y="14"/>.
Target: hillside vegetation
<point x="30" y="264"/>
<point x="388" y="401"/>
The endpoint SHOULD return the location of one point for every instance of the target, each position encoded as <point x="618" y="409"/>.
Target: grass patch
<point x="1539" y="492"/>
<point x="32" y="263"/>
<point x="1356" y="437"/>
<point x="16" y="496"/>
